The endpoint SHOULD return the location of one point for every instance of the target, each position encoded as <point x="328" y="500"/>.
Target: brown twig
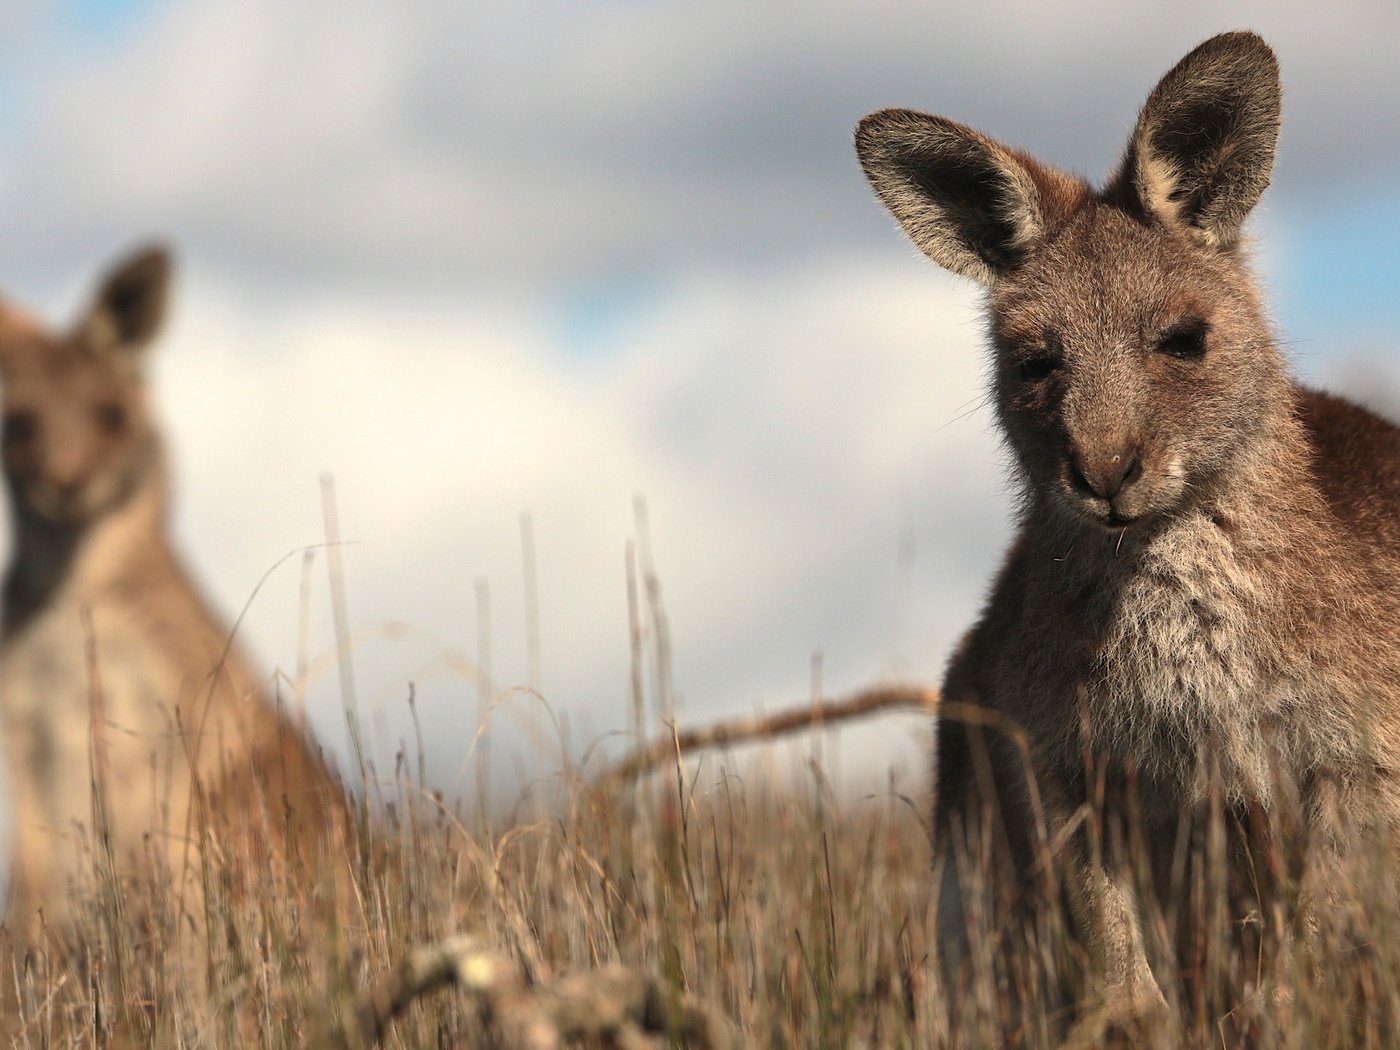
<point x="738" y="731"/>
<point x="622" y="1007"/>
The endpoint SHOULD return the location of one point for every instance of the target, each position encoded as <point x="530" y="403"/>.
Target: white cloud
<point x="504" y="142"/>
<point x="783" y="428"/>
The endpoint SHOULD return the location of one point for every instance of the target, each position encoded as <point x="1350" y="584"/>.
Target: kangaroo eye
<point x="1185" y="340"/>
<point x="1034" y="369"/>
<point x="110" y="417"/>
<point x="20" y="427"/>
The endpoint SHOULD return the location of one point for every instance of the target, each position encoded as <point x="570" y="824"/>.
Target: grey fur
<point x="1204" y="591"/>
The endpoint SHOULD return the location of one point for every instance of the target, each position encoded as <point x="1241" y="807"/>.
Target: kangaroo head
<point x="1134" y="368"/>
<point x="77" y="435"/>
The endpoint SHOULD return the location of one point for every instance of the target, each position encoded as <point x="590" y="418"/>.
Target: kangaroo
<point x="1203" y="594"/>
<point x="136" y="738"/>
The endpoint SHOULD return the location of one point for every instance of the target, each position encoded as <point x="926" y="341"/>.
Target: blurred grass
<point x="805" y="915"/>
<point x="803" y="910"/>
<point x="798" y="914"/>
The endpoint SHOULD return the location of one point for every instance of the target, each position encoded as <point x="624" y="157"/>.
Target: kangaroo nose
<point x="1107" y="475"/>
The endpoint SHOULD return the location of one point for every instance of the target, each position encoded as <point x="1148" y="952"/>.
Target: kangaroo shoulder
<point x="1356" y="461"/>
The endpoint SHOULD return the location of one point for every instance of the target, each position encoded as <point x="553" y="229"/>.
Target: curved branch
<point x="765" y="727"/>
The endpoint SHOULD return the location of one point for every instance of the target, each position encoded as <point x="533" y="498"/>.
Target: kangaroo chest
<point x="1171" y="662"/>
<point x="84" y="690"/>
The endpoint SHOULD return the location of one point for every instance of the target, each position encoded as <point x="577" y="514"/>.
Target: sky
<point x="565" y="259"/>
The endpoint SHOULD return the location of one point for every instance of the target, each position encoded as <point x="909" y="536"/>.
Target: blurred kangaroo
<point x="1203" y="596"/>
<point x="136" y="738"/>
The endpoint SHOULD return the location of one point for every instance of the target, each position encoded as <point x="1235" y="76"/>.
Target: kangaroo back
<point x="136" y="737"/>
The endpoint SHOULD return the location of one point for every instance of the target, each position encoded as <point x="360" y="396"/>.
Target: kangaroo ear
<point x="967" y="202"/>
<point x="1203" y="149"/>
<point x="130" y="304"/>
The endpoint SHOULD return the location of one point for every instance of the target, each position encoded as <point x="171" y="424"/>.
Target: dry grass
<point x="799" y="916"/>
<point x="700" y="898"/>
<point x="803" y="917"/>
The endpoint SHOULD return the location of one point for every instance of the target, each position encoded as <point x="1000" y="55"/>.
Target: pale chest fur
<point x="1176" y="658"/>
<point x="66" y="681"/>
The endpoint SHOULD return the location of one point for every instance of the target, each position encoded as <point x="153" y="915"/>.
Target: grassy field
<point x="802" y="915"/>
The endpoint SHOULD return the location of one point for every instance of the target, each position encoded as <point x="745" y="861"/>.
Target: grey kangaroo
<point x="137" y="741"/>
<point x="1202" y="601"/>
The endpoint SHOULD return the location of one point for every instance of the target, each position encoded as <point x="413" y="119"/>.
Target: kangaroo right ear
<point x="130" y="304"/>
<point x="968" y="203"/>
<point x="1203" y="149"/>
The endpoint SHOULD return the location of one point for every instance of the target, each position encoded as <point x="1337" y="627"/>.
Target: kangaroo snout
<point x="1101" y="482"/>
<point x="1104" y="472"/>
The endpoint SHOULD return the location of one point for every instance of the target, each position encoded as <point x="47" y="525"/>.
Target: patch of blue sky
<point x="592" y="318"/>
<point x="51" y="37"/>
<point x="109" y="21"/>
<point x="1340" y="280"/>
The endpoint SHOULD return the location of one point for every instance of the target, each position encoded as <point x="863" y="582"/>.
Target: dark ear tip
<point x="893" y="115"/>
<point x="872" y="125"/>
<point x="1241" y="45"/>
<point x="1246" y="39"/>
<point x="131" y="299"/>
<point x="153" y="259"/>
<point x="876" y="131"/>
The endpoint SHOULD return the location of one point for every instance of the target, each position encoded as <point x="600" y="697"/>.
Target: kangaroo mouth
<point x="59" y="510"/>
<point x="65" y="506"/>
<point x="1124" y="504"/>
<point x="1111" y="519"/>
<point x="1115" y="514"/>
<point x="1127" y="512"/>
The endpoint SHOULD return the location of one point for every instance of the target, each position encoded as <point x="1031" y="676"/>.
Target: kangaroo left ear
<point x="970" y="204"/>
<point x="130" y="304"/>
<point x="1203" y="149"/>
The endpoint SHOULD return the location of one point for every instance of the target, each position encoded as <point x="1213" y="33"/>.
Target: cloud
<point x="490" y="144"/>
<point x="785" y="430"/>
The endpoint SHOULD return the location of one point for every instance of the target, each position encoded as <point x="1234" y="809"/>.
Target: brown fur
<point x="1204" y="592"/>
<point x="137" y="740"/>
